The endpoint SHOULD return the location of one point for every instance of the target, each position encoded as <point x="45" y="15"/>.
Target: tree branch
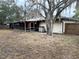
<point x="39" y="5"/>
<point x="64" y="7"/>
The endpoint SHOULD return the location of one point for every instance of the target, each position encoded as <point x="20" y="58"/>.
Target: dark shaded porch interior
<point x="30" y="26"/>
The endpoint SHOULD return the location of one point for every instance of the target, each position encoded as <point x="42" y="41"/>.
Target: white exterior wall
<point x="57" y="28"/>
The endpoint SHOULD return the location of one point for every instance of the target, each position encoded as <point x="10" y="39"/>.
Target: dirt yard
<point x="16" y="44"/>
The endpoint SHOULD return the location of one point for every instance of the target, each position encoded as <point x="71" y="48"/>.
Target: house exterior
<point x="57" y="27"/>
<point x="38" y="24"/>
<point x="71" y="27"/>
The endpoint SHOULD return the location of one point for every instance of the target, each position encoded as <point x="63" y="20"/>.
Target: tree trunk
<point x="49" y="26"/>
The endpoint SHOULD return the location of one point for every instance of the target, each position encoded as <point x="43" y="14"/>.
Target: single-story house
<point x="38" y="24"/>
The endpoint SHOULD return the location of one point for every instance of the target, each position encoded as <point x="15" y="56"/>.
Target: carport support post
<point x="25" y="26"/>
<point x="30" y="25"/>
<point x="62" y="27"/>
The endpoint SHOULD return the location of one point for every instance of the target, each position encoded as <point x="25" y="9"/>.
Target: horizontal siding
<point x="72" y="28"/>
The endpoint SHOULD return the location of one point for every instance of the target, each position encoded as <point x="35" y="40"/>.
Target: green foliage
<point x="77" y="14"/>
<point x="9" y="12"/>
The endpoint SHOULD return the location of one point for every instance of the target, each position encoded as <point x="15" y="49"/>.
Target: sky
<point x="67" y="12"/>
<point x="20" y="2"/>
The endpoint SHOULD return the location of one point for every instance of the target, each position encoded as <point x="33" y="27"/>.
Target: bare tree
<point x="49" y="7"/>
<point x="26" y="11"/>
